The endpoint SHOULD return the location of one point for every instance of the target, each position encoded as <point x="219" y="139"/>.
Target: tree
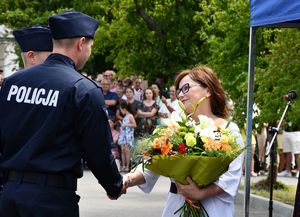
<point x="225" y="34"/>
<point x="279" y="74"/>
<point x="20" y="13"/>
<point x="156" y="39"/>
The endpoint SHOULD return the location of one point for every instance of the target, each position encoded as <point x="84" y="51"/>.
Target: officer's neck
<point x="69" y="53"/>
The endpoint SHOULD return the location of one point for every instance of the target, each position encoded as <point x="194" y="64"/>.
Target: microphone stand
<point x="271" y="149"/>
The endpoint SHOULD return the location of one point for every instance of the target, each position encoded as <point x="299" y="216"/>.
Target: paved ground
<point x="94" y="202"/>
<point x="135" y="203"/>
<point x="259" y="207"/>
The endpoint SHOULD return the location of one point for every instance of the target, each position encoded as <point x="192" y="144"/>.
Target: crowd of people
<point x="135" y="108"/>
<point x="287" y="149"/>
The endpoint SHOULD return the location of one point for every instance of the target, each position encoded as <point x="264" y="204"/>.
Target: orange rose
<point x="163" y="144"/>
<point x="166" y="147"/>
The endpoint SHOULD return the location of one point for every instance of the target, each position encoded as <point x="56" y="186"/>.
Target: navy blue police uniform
<point x="34" y="38"/>
<point x="51" y="118"/>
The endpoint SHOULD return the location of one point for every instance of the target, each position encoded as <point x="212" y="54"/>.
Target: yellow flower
<point x="231" y="139"/>
<point x="190" y="140"/>
<point x="224" y="131"/>
<point x="204" y="139"/>
<point x="168" y="133"/>
<point x="224" y="139"/>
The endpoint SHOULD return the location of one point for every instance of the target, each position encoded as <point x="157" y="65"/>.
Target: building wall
<point x="8" y="58"/>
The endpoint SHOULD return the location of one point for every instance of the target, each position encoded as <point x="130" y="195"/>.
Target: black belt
<point x="67" y="181"/>
<point x="173" y="188"/>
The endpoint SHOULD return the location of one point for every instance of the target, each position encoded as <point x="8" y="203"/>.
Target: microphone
<point x="291" y="95"/>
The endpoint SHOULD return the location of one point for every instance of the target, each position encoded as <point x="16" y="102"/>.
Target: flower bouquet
<point x="184" y="148"/>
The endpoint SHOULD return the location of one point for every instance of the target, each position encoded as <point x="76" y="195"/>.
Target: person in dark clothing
<point x="52" y="117"/>
<point x="297" y="200"/>
<point x="36" y="44"/>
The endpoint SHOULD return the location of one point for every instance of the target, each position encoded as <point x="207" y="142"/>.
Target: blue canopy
<point x="275" y="13"/>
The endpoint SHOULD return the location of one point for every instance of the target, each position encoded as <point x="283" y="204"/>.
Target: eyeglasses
<point x="186" y="88"/>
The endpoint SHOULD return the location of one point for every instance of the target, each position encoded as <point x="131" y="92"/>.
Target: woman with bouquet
<point x="217" y="198"/>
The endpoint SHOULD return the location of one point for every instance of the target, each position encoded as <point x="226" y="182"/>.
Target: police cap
<point x="34" y="38"/>
<point x="72" y="24"/>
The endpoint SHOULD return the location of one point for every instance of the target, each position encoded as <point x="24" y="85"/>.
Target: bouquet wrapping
<point x="199" y="168"/>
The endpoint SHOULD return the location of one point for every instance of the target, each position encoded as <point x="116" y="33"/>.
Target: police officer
<point x="52" y="117"/>
<point x="35" y="43"/>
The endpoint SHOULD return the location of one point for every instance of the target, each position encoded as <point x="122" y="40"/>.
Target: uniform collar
<point x="61" y="58"/>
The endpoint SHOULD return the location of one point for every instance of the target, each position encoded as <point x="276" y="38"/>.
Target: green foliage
<point x="225" y="31"/>
<point x="158" y="38"/>
<point x="158" y="50"/>
<point x="279" y="75"/>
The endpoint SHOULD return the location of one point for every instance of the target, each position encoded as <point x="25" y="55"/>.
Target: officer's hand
<point x="113" y="198"/>
<point x="123" y="191"/>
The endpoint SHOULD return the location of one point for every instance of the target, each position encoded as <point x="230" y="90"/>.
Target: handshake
<point x="130" y="180"/>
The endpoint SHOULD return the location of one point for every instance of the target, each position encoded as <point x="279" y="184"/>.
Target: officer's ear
<point x="30" y="57"/>
<point x="30" y="54"/>
<point x="81" y="42"/>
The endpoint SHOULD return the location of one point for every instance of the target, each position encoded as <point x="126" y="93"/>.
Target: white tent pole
<point x="251" y="64"/>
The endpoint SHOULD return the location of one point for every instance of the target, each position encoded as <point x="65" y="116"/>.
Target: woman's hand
<point x="190" y="190"/>
<point x="126" y="180"/>
<point x="133" y="179"/>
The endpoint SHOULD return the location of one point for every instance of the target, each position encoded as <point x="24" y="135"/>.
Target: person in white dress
<point x="218" y="197"/>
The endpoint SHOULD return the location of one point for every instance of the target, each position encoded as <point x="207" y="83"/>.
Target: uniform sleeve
<point x="230" y="180"/>
<point x="150" y="177"/>
<point x="1" y="141"/>
<point x="95" y="138"/>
